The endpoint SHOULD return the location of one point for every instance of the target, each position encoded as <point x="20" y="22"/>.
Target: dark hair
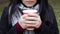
<point x="43" y="6"/>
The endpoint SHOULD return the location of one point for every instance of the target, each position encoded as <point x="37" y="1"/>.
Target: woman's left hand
<point x="35" y="20"/>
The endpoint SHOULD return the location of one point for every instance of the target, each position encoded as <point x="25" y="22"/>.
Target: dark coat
<point x="49" y="25"/>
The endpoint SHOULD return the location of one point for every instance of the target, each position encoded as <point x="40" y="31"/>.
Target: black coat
<point x="49" y="26"/>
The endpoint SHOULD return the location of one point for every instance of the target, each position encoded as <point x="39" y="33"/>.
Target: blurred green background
<point x="54" y="3"/>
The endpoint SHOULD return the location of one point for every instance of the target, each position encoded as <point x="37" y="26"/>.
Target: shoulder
<point x="5" y="10"/>
<point x="50" y="8"/>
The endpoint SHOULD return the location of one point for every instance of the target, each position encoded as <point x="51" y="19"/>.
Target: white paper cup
<point x="30" y="11"/>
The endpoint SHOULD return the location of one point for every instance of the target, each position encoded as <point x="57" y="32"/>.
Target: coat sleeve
<point x="49" y="25"/>
<point x="5" y="27"/>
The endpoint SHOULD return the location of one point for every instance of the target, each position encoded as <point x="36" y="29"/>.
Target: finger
<point x="29" y="25"/>
<point x="33" y="15"/>
<point x="38" y="24"/>
<point x="30" y="22"/>
<point x="23" y="16"/>
<point x="31" y="18"/>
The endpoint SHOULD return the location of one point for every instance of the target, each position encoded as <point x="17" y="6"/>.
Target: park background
<point x="54" y="3"/>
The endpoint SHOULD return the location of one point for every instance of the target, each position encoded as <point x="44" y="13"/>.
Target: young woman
<point x="13" y="21"/>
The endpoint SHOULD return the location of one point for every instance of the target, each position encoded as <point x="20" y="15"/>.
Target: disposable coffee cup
<point x="30" y="12"/>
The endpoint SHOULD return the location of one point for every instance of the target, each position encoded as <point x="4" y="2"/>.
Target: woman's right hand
<point x="21" y="21"/>
<point x="27" y="22"/>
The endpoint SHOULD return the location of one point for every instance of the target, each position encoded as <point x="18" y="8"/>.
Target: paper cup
<point x="30" y="11"/>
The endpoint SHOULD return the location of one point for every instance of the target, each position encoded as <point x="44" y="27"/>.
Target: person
<point x="13" y="21"/>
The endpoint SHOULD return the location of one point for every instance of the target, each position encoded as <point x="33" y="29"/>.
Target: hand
<point x="30" y="20"/>
<point x="21" y="21"/>
<point x="33" y="20"/>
